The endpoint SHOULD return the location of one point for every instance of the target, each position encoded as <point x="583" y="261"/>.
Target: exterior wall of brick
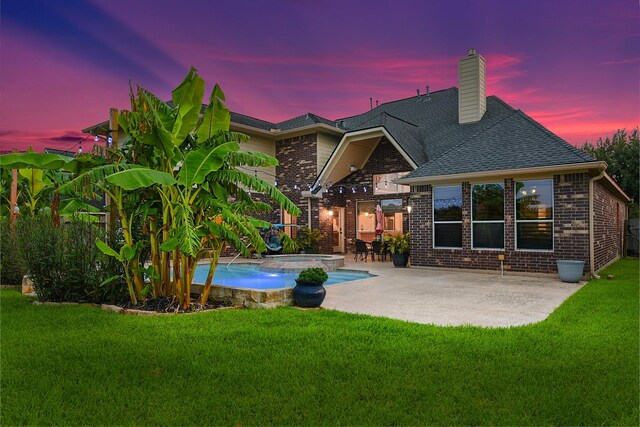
<point x="608" y="225"/>
<point x="384" y="159"/>
<point x="570" y="239"/>
<point x="298" y="167"/>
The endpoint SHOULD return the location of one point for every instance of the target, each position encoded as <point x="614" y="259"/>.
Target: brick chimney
<point x="472" y="100"/>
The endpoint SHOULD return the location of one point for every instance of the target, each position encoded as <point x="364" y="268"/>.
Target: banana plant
<point x="177" y="175"/>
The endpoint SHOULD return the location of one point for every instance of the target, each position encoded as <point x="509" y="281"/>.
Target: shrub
<point x="397" y="244"/>
<point x="313" y="275"/>
<point x="12" y="266"/>
<point x="308" y="239"/>
<point x="289" y="246"/>
<point x="64" y="262"/>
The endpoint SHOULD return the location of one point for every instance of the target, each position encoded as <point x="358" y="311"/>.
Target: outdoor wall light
<point x="330" y="213"/>
<point x="409" y="208"/>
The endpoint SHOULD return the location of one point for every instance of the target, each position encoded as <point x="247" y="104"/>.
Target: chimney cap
<point x="471" y="52"/>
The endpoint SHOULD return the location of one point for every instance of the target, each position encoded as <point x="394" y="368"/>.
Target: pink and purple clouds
<point x="572" y="65"/>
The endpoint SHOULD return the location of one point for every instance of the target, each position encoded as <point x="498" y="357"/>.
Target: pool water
<point x="249" y="276"/>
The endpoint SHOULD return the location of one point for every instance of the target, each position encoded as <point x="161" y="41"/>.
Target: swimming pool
<point x="249" y="276"/>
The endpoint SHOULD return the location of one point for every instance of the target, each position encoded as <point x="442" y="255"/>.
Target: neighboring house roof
<point x="61" y="152"/>
<point x="514" y="142"/>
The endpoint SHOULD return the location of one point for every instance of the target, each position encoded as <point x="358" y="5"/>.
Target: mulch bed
<point x="172" y="305"/>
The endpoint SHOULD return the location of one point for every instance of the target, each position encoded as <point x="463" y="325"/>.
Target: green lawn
<point x="80" y="365"/>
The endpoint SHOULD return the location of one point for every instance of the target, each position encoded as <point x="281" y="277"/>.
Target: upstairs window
<point x="447" y="217"/>
<point x="534" y="215"/>
<point x="487" y="216"/>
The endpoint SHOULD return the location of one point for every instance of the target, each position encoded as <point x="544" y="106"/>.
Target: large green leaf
<point x="72" y="206"/>
<point x="105" y="249"/>
<point x="134" y="179"/>
<point x="216" y="116"/>
<point x="187" y="100"/>
<point x="33" y="160"/>
<point x="35" y="177"/>
<point x="92" y="176"/>
<point x="201" y="162"/>
<point x="83" y="163"/>
<point x="236" y="177"/>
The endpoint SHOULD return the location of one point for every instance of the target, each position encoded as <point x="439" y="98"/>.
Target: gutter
<point x="592" y="256"/>
<point x="575" y="167"/>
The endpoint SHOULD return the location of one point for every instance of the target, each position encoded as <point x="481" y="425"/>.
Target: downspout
<point x="309" y="213"/>
<point x="592" y="257"/>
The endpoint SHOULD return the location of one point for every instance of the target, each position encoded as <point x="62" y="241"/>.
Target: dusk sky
<point x="572" y="65"/>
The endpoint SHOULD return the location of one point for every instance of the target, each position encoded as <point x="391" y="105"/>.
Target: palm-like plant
<point x="177" y="172"/>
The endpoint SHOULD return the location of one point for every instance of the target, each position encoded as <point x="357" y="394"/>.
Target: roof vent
<point x="471" y="52"/>
<point x="418" y="91"/>
<point x="427" y="95"/>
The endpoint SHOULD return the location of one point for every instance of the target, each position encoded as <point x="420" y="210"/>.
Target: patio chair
<point x="376" y="249"/>
<point x="362" y="249"/>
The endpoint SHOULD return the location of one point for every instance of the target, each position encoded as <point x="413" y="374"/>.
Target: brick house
<point x="467" y="175"/>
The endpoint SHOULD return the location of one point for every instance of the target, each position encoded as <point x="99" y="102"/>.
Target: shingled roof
<point x="515" y="142"/>
<point x="434" y="119"/>
<point x="304" y="120"/>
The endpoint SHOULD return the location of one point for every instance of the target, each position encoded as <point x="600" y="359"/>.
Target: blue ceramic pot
<point x="570" y="270"/>
<point x="309" y="294"/>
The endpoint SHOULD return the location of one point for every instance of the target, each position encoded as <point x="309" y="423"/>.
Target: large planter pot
<point x="570" y="270"/>
<point x="309" y="294"/>
<point x="400" y="260"/>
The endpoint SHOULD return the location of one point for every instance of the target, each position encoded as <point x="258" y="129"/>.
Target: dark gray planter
<point x="400" y="260"/>
<point x="570" y="271"/>
<point x="309" y="294"/>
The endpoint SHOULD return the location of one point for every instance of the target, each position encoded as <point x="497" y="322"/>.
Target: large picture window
<point x="534" y="215"/>
<point x="447" y="217"/>
<point x="487" y="216"/>
<point x="367" y="221"/>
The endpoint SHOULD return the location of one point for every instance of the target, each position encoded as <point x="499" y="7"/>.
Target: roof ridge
<point x="565" y="144"/>
<point x="497" y="98"/>
<point x="514" y="112"/>
<point x="399" y="119"/>
<point x="394" y="101"/>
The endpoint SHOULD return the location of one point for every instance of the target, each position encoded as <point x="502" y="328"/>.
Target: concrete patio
<point x="446" y="297"/>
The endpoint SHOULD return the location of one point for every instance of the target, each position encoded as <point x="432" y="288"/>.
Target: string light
<point x="96" y="138"/>
<point x="109" y="140"/>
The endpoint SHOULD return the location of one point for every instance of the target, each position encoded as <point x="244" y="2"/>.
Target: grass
<point x="79" y="365"/>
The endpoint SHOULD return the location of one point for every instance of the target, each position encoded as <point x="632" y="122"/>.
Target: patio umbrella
<point x="379" y="219"/>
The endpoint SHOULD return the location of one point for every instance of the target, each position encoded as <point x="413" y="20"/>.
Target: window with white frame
<point x="534" y="215"/>
<point x="487" y="216"/>
<point x="383" y="183"/>
<point x="447" y="217"/>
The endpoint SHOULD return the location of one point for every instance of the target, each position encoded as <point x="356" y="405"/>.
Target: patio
<point x="449" y="297"/>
